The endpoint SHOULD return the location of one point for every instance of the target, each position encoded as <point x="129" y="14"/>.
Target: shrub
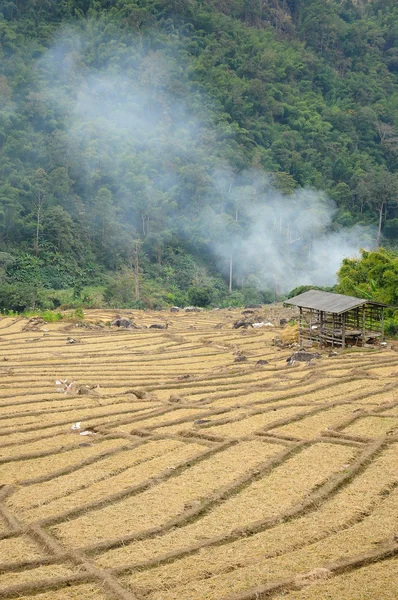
<point x="176" y="298"/>
<point x="119" y="291"/>
<point x="391" y="327"/>
<point x="306" y="288"/>
<point x="20" y="297"/>
<point x="200" y="296"/>
<point x="234" y="299"/>
<point x="252" y="295"/>
<point x="48" y="315"/>
<point x="138" y="305"/>
<point x="79" y="314"/>
<point x="269" y="297"/>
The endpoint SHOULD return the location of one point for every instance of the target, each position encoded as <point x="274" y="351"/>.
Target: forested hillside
<point x="192" y="150"/>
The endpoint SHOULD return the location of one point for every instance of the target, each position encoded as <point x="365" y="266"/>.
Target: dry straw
<point x="204" y="478"/>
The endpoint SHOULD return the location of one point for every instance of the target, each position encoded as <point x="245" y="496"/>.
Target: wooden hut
<point x="338" y="320"/>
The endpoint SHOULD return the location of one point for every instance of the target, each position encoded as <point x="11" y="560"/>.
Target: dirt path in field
<point x="170" y="464"/>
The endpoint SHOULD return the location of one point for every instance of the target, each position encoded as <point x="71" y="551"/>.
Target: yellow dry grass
<point x="77" y="592"/>
<point x="17" y="549"/>
<point x="61" y="440"/>
<point x="311" y="426"/>
<point x="373" y="426"/>
<point x="37" y="467"/>
<point x="18" y="440"/>
<point x="202" y="423"/>
<point x="358" y="539"/>
<point x="41" y="497"/>
<point x="345" y="508"/>
<point x="272" y="494"/>
<point x="379" y="399"/>
<point x="253" y="423"/>
<point x="152" y="422"/>
<point x="375" y="581"/>
<point x="290" y="334"/>
<point x="113" y="483"/>
<point x="200" y="500"/>
<point x="391" y="411"/>
<point x="167" y="500"/>
<point x="321" y="390"/>
<point x="32" y="575"/>
<point x="384" y="371"/>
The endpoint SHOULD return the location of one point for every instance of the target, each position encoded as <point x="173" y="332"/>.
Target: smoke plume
<point x="138" y="146"/>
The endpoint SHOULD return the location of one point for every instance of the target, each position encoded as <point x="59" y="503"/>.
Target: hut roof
<point x="329" y="302"/>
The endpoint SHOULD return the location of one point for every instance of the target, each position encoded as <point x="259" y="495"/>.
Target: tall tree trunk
<point x="159" y="254"/>
<point x="276" y="286"/>
<point x="380" y="222"/>
<point x="40" y="198"/>
<point x="36" y="242"/>
<point x="230" y="274"/>
<point x="137" y="272"/>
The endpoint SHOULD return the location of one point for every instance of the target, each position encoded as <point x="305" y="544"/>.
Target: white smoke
<point x="274" y="241"/>
<point x="290" y="241"/>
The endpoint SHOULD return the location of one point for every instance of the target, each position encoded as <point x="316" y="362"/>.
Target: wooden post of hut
<point x="321" y="328"/>
<point x="301" y="327"/>
<point x="382" y="323"/>
<point x="342" y="332"/>
<point x="363" y="324"/>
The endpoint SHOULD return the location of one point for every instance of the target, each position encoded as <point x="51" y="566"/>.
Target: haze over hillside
<point x="193" y="145"/>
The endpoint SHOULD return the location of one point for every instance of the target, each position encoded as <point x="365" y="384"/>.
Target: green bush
<point x="138" y="305"/>
<point x="269" y="297"/>
<point x="391" y="327"/>
<point x="234" y="299"/>
<point x="20" y="297"/>
<point x="252" y="295"/>
<point x="200" y="296"/>
<point x="177" y="299"/>
<point x="79" y="314"/>
<point x="306" y="288"/>
<point x="119" y="292"/>
<point x="48" y="315"/>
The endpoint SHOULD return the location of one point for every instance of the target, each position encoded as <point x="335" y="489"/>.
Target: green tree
<point x="374" y="276"/>
<point x="58" y="228"/>
<point x="40" y="196"/>
<point x="379" y="190"/>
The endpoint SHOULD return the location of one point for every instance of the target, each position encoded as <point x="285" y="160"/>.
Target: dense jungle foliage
<point x="375" y="276"/>
<point x="141" y="143"/>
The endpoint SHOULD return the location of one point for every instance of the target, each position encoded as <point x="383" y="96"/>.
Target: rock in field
<point x="302" y="356"/>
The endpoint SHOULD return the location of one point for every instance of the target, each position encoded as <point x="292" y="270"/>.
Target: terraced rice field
<point x="202" y="478"/>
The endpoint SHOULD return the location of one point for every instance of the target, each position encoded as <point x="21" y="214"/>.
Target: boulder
<point x="243" y="323"/>
<point x="302" y="356"/>
<point x="122" y="322"/>
<point x="240" y="358"/>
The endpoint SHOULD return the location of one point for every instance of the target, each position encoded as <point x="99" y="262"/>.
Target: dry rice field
<point x="200" y="477"/>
